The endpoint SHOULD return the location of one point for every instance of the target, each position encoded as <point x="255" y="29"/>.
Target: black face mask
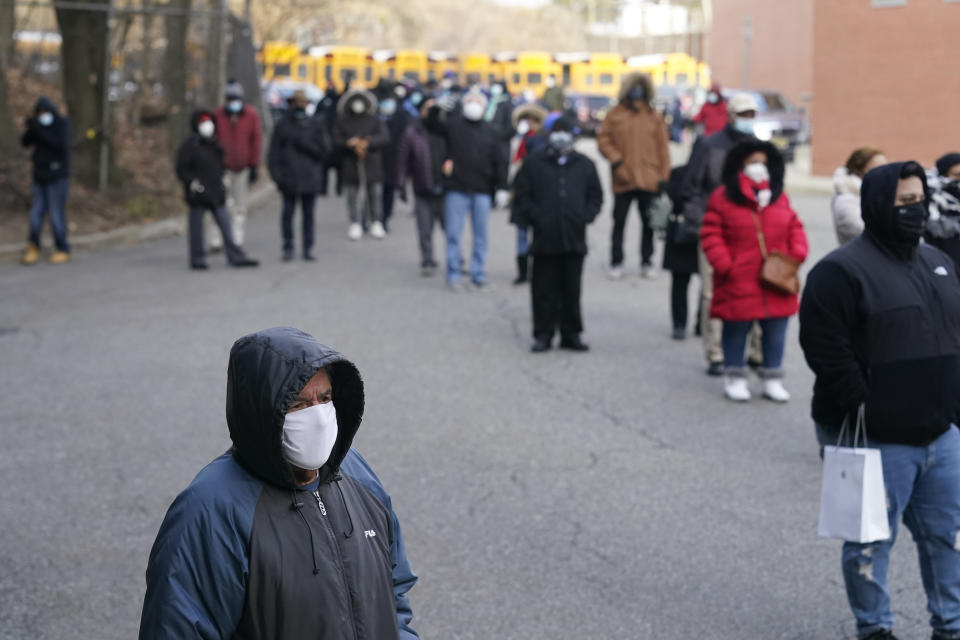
<point x="909" y="221"/>
<point x="953" y="188"/>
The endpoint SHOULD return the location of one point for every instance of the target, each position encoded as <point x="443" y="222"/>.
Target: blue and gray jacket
<point x="245" y="552"/>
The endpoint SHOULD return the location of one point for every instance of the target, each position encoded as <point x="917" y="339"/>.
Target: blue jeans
<point x="923" y="487"/>
<point x="50" y="198"/>
<point x="523" y="241"/>
<point x="734" y="343"/>
<point x="456" y="206"/>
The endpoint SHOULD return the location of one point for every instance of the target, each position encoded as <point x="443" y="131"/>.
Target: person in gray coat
<point x="845" y="205"/>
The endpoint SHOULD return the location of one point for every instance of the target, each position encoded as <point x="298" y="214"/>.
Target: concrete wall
<point x="781" y="47"/>
<point x="885" y="77"/>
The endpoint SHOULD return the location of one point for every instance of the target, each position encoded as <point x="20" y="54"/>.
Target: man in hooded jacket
<point x="297" y="158"/>
<point x="880" y="327"/>
<point x="361" y="138"/>
<point x="289" y="534"/>
<point x="48" y="133"/>
<point x="633" y="138"/>
<point x="200" y="168"/>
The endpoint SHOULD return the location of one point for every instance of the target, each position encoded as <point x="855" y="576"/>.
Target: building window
<point x="887" y="3"/>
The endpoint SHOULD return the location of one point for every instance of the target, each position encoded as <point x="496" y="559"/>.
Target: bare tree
<point x="84" y="58"/>
<point x="8" y="133"/>
<point x="175" y="71"/>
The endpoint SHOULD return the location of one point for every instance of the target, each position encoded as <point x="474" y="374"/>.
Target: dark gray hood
<point x="267" y="369"/>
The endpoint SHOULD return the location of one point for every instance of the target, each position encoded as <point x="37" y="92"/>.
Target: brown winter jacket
<point x="635" y="142"/>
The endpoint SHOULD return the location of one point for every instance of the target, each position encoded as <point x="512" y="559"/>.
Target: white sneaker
<point x="377" y="231"/>
<point x="647" y="272"/>
<point x="615" y="273"/>
<point x="774" y="390"/>
<point x="736" y="389"/>
<point x="355" y="232"/>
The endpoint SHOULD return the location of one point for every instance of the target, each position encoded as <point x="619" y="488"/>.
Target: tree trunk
<point x="8" y="133"/>
<point x="175" y="72"/>
<point x="83" y="54"/>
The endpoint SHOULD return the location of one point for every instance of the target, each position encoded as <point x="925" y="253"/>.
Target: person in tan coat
<point x="633" y="138"/>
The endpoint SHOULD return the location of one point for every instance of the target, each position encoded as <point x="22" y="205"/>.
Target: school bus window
<point x="534" y="78"/>
<point x="606" y="78"/>
<point x="473" y="78"/>
<point x="281" y="69"/>
<point x="368" y="75"/>
<point x="681" y="78"/>
<point x="589" y="78"/>
<point x="491" y="78"/>
<point x="516" y="78"/>
<point x="328" y="73"/>
<point x="347" y="75"/>
<point x="411" y="75"/>
<point x="391" y="73"/>
<point x="302" y="71"/>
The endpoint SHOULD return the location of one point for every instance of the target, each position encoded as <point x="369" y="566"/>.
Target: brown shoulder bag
<point x="779" y="271"/>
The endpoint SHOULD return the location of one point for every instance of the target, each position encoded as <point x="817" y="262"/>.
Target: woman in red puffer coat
<point x="752" y="192"/>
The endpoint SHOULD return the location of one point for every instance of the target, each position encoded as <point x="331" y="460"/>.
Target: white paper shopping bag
<point x="853" y="500"/>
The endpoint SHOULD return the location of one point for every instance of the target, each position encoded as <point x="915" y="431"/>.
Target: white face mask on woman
<point x="206" y="128"/>
<point x="757" y="171"/>
<point x="309" y="436"/>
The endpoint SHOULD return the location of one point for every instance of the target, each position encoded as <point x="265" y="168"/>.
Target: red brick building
<point x="885" y="75"/>
<point x="781" y="44"/>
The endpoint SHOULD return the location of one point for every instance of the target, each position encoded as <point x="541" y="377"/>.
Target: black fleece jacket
<point x="51" y="144"/>
<point x="880" y="325"/>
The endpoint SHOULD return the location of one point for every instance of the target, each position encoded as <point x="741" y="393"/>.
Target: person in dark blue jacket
<point x="289" y="534"/>
<point x="48" y="133"/>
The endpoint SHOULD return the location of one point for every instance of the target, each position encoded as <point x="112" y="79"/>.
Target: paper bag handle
<point x="861" y="426"/>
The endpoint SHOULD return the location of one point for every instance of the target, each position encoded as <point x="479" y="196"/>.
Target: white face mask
<point x="235" y="106"/>
<point x="743" y="125"/>
<point x="756" y="171"/>
<point x="206" y="128"/>
<point x="472" y="110"/>
<point x="523" y="127"/>
<point x="309" y="436"/>
<point x="357" y="107"/>
<point x="45" y="118"/>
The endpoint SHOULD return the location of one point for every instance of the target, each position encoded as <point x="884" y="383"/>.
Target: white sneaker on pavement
<point x="647" y="272"/>
<point x="774" y="390"/>
<point x="377" y="231"/>
<point x="355" y="232"/>
<point x="736" y="389"/>
<point x="615" y="273"/>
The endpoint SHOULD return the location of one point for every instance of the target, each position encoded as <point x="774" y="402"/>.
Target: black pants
<point x="388" y="193"/>
<point x="621" y="207"/>
<point x="286" y="220"/>
<point x="679" y="286"/>
<point x="555" y="290"/>
<point x="195" y="237"/>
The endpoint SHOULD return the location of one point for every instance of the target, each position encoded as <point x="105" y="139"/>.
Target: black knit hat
<point x="563" y="124"/>
<point x="947" y="162"/>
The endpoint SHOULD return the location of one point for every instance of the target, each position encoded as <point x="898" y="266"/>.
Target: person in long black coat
<point x="297" y="159"/>
<point x="558" y="193"/>
<point x="200" y="169"/>
<point x="680" y="256"/>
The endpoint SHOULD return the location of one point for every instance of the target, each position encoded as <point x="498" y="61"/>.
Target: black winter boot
<point x="522" y="264"/>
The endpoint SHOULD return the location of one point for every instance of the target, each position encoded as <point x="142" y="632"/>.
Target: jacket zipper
<point x="343" y="572"/>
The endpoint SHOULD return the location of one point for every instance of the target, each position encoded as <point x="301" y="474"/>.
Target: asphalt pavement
<point x="613" y="494"/>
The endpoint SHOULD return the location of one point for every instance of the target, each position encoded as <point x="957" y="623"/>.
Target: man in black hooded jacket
<point x="880" y="327"/>
<point x="289" y="535"/>
<point x="48" y="133"/>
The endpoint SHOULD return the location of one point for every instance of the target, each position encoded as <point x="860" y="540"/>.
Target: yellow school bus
<point x="279" y="60"/>
<point x="342" y="65"/>
<point x="441" y="62"/>
<point x="477" y="67"/>
<point x="593" y="73"/>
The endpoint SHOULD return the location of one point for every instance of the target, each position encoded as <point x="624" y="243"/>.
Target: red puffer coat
<point x="729" y="239"/>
